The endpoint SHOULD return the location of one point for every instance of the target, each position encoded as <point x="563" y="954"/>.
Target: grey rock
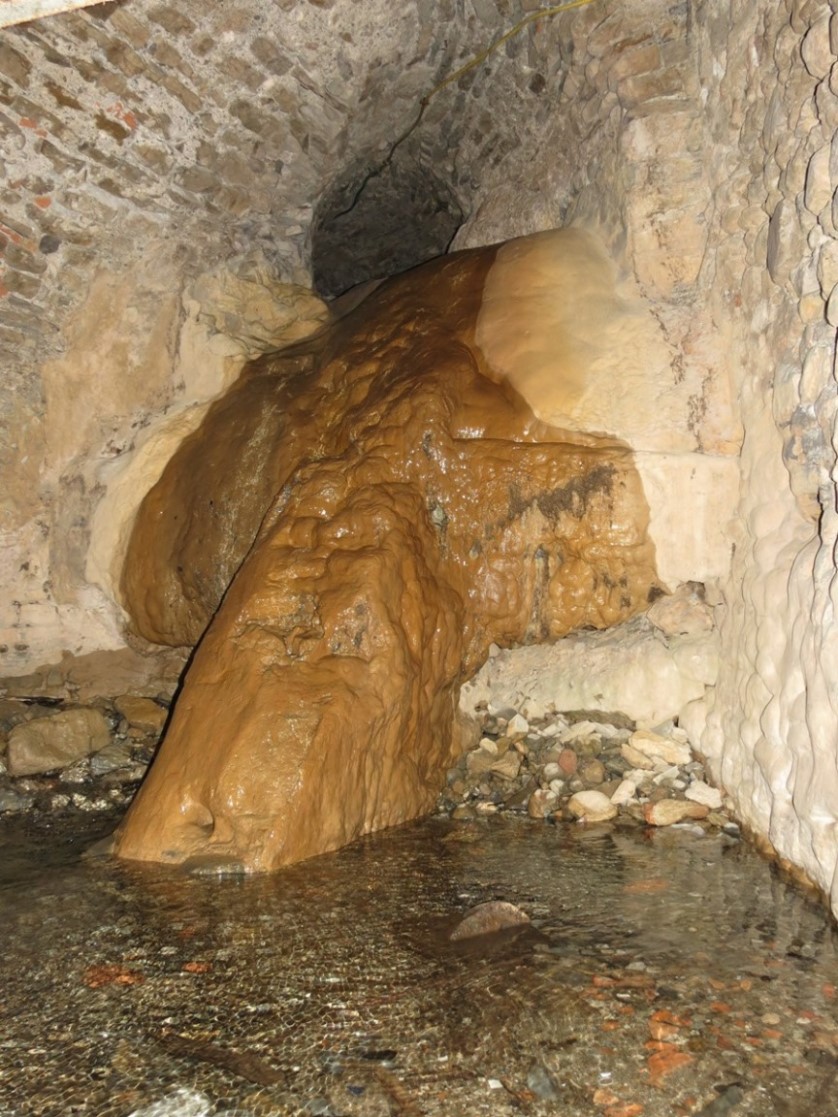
<point x="12" y="800"/>
<point x="542" y="1084"/>
<point x="485" y="919"/>
<point x="118" y="754"/>
<point x="728" y="1099"/>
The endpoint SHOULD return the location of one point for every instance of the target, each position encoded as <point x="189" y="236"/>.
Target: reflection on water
<point x="664" y="973"/>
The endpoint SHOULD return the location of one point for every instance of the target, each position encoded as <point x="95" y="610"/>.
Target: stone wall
<point x="714" y="156"/>
<point x="182" y="166"/>
<point x="771" y="727"/>
<point x="156" y="156"/>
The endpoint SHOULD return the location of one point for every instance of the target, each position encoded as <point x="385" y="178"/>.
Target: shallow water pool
<point x="663" y="973"/>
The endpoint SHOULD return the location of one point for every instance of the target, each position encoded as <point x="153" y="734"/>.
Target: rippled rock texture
<point x="408" y="509"/>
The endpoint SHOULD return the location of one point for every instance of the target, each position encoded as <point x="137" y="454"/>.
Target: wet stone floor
<point x="664" y="973"/>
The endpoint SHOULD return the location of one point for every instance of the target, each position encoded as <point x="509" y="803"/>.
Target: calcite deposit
<point x="359" y="519"/>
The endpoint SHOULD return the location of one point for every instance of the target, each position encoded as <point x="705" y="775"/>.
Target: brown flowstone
<point x="382" y="507"/>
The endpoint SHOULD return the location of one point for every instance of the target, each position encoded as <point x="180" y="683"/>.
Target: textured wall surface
<point x="719" y="171"/>
<point x="772" y="729"/>
<point x="155" y="154"/>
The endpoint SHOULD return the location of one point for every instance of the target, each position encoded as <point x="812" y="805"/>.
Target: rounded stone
<point x="54" y="742"/>
<point x="592" y="806"/>
<point x="666" y="812"/>
<point x="541" y="803"/>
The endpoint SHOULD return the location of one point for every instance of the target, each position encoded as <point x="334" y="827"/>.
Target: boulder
<point x="56" y="741"/>
<point x="631" y="669"/>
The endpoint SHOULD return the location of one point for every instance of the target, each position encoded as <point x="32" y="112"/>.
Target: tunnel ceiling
<point x="398" y="215"/>
<point x="218" y="131"/>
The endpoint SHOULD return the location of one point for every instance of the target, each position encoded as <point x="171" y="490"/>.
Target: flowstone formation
<point x="356" y="522"/>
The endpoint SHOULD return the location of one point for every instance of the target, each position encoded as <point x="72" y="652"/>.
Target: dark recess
<point x="381" y="222"/>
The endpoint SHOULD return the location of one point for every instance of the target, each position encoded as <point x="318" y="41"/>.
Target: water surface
<point x="664" y="973"/>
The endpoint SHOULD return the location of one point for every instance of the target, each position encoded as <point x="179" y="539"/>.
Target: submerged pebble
<point x="662" y="976"/>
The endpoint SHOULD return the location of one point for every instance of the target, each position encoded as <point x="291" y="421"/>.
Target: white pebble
<point x="518" y="724"/>
<point x="701" y="792"/>
<point x="667" y="775"/>
<point x="553" y="729"/>
<point x="579" y="730"/>
<point x="591" y="806"/>
<point x="624" y="793"/>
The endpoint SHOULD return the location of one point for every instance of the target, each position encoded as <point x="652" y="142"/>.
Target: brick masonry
<point x="148" y="145"/>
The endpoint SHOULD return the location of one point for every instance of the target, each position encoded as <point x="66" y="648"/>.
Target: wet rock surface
<point x="44" y="744"/>
<point x="356" y="521"/>
<point x="663" y="972"/>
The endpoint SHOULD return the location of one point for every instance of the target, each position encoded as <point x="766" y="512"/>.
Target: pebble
<point x="625" y="793"/>
<point x="76" y="773"/>
<point x="592" y="806"/>
<point x="658" y="748"/>
<point x="582" y="729"/>
<point x="541" y="1083"/>
<point x="700" y="792"/>
<point x="480" y="761"/>
<point x="568" y="762"/>
<point x="142" y="713"/>
<point x="517" y="724"/>
<point x="180" y="1103"/>
<point x="553" y="729"/>
<point x="12" y="800"/>
<point x="668" y="811"/>
<point x="636" y="758"/>
<point x="542" y="803"/>
<point x="591" y="771"/>
<point x="508" y="766"/>
<point x="486" y="919"/>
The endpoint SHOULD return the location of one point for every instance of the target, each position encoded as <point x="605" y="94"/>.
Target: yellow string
<point x="542" y="13"/>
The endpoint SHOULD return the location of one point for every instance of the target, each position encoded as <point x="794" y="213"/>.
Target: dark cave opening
<point x="380" y="222"/>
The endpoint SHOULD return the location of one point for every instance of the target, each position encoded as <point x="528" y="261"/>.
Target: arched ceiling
<point x="223" y="129"/>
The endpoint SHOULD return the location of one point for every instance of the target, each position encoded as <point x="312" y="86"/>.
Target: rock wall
<point x="160" y="161"/>
<point x="713" y="130"/>
<point x="771" y="735"/>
